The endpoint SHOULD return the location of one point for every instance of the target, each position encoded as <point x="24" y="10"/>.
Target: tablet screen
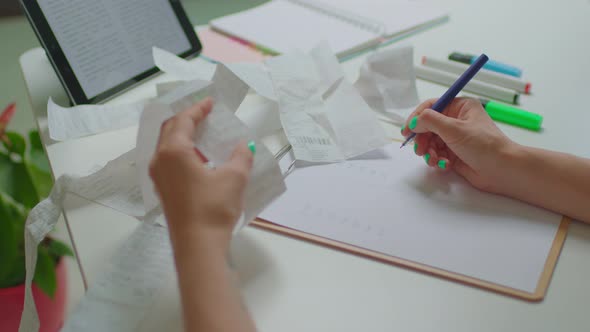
<point x="108" y="42"/>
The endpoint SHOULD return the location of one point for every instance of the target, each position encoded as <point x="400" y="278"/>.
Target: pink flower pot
<point x="51" y="311"/>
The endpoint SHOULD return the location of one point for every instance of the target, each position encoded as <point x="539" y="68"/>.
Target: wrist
<point x="194" y="237"/>
<point x="512" y="165"/>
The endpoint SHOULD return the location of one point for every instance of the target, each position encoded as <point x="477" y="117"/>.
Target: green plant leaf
<point x="17" y="275"/>
<point x="8" y="242"/>
<point x="12" y="222"/>
<point x="58" y="249"/>
<point x="45" y="277"/>
<point x="38" y="166"/>
<point x="15" y="180"/>
<point x="17" y="143"/>
<point x="36" y="153"/>
<point x="35" y="140"/>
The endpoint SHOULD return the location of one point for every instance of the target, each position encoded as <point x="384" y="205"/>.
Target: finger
<point x="434" y="122"/>
<point x="431" y="157"/>
<point x="180" y="128"/>
<point x="422" y="143"/>
<point x="438" y="158"/>
<point x="199" y="111"/>
<point x="443" y="164"/>
<point x="425" y="105"/>
<point x="439" y="145"/>
<point x="458" y="106"/>
<point x="240" y="163"/>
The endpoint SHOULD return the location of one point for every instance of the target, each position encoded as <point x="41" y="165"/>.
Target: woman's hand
<point x="202" y="206"/>
<point x="464" y="139"/>
<point x="200" y="203"/>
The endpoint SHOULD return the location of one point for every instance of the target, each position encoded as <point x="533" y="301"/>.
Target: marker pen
<point x="487" y="76"/>
<point x="474" y="86"/>
<point x="512" y="115"/>
<point x="492" y="65"/>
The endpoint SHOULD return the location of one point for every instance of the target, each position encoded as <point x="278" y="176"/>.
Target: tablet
<point x="100" y="48"/>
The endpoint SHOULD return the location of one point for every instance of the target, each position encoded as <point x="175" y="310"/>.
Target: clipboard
<point x="536" y="296"/>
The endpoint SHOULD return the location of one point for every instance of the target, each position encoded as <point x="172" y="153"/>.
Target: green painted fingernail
<point x="252" y="147"/>
<point x="403" y="128"/>
<point x="427" y="157"/>
<point x="415" y="147"/>
<point x="413" y="123"/>
<point x="442" y="164"/>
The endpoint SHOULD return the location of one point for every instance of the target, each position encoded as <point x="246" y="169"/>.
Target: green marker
<point x="512" y="115"/>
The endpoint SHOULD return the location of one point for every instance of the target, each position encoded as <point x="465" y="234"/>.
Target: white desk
<point x="291" y="285"/>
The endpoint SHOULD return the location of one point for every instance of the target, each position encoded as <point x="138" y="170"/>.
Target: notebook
<point x="348" y="25"/>
<point x="388" y="205"/>
<point x="227" y="50"/>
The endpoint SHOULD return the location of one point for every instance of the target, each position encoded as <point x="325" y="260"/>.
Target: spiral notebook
<point x="349" y="26"/>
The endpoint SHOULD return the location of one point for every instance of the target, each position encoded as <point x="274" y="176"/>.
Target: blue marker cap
<point x="492" y="65"/>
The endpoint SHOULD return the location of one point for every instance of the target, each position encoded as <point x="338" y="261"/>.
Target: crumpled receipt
<point x="65" y="123"/>
<point x="387" y="82"/>
<point x="114" y="186"/>
<point x="121" y="296"/>
<point x="123" y="184"/>
<point x="216" y="138"/>
<point x="84" y="120"/>
<point x="325" y="118"/>
<point x="253" y="75"/>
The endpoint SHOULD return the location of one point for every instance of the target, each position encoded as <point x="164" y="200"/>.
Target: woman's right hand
<point x="464" y="139"/>
<point x="200" y="204"/>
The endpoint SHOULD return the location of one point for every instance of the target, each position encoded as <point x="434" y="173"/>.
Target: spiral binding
<point x="361" y="22"/>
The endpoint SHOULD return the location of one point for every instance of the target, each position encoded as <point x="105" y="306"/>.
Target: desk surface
<point x="291" y="285"/>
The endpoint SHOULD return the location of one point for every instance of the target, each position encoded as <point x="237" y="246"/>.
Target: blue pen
<point x="454" y="90"/>
<point x="492" y="65"/>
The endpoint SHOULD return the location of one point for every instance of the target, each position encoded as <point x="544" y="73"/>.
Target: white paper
<point x="228" y="89"/>
<point x="120" y="297"/>
<point x="356" y="128"/>
<point x="216" y="138"/>
<point x="260" y="114"/>
<point x="84" y="120"/>
<point x="40" y="222"/>
<point x="182" y="69"/>
<point x="387" y="82"/>
<point x="255" y="76"/>
<point x="114" y="186"/>
<point x="323" y="116"/>
<point x="252" y="75"/>
<point x="167" y="87"/>
<point x="388" y="201"/>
